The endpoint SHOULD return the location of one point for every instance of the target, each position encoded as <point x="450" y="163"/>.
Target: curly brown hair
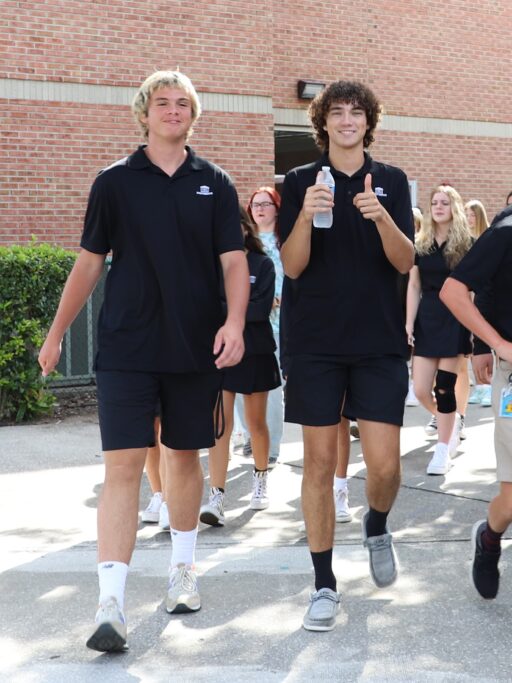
<point x="348" y="92"/>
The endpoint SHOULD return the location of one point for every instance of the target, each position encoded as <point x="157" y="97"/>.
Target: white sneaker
<point x="343" y="513"/>
<point x="454" y="442"/>
<point x="462" y="428"/>
<point x="431" y="426"/>
<point x="163" y="519"/>
<point x="411" y="399"/>
<point x="441" y="461"/>
<point x="109" y="633"/>
<point x="152" y="513"/>
<point x="213" y="512"/>
<point x="182" y="593"/>
<point x="259" y="500"/>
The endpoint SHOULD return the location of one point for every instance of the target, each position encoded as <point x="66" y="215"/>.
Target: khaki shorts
<point x="502" y="425"/>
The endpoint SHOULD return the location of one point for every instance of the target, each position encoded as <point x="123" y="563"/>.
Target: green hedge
<point x="31" y="282"/>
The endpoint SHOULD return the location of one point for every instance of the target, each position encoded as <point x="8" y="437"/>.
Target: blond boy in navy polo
<point x="170" y="220"/>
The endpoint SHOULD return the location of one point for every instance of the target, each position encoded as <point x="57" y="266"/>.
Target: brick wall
<point x="438" y="60"/>
<point x="478" y="168"/>
<point x="120" y="42"/>
<point x="47" y="170"/>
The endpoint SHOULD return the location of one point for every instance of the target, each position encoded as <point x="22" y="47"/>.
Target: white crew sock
<point x="183" y="546"/>
<point x="112" y="580"/>
<point x="340" y="484"/>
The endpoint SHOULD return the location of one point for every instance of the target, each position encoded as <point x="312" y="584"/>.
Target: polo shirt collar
<point x="360" y="173"/>
<point x="139" y="160"/>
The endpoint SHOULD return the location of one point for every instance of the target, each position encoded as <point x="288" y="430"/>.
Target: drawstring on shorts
<point x="220" y="418"/>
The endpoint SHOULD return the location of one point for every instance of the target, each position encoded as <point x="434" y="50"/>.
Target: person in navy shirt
<point x="346" y="339"/>
<point x="487" y="270"/>
<point x="170" y="220"/>
<point x="253" y="378"/>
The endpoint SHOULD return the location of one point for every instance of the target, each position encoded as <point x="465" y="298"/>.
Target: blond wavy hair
<point x="163" y="79"/>
<point x="481" y="220"/>
<point x="459" y="238"/>
<point x="418" y="219"/>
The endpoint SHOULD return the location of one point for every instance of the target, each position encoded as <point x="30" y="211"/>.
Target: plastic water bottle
<point x="324" y="219"/>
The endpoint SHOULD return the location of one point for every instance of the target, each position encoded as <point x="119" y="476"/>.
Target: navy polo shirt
<point x="347" y="300"/>
<point x="162" y="307"/>
<point x="258" y="334"/>
<point x="487" y="270"/>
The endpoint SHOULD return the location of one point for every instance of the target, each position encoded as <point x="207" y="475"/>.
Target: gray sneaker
<point x="324" y="605"/>
<point x="382" y="556"/>
<point x="182" y="594"/>
<point x="109" y="633"/>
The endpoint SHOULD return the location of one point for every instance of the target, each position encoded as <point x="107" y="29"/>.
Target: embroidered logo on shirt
<point x="379" y="191"/>
<point x="204" y="190"/>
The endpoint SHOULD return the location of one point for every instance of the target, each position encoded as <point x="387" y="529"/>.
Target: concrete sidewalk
<point x="255" y="574"/>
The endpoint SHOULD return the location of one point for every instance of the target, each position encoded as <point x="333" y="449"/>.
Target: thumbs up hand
<point x="368" y="203"/>
<point x="368" y="182"/>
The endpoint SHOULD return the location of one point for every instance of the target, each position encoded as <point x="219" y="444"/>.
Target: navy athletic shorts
<point x="374" y="388"/>
<point x="126" y="407"/>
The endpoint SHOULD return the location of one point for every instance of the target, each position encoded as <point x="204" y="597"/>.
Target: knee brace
<point x="444" y="391"/>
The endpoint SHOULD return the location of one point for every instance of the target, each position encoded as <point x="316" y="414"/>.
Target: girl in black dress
<point x="438" y="339"/>
<point x="478" y="224"/>
<point x="255" y="375"/>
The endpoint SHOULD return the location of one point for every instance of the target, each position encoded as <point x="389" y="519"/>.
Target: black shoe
<point x="247" y="449"/>
<point x="485" y="574"/>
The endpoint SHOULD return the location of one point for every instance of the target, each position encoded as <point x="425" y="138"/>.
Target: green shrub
<point x="31" y="282"/>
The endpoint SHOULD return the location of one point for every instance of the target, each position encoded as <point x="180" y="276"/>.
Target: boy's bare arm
<point x="81" y="281"/>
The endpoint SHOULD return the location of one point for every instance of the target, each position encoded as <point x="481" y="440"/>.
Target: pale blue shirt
<point x="269" y="242"/>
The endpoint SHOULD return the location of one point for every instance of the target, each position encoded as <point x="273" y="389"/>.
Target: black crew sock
<point x="491" y="540"/>
<point x="257" y="470"/>
<point x="376" y="522"/>
<point x="324" y="576"/>
<point x="218" y="488"/>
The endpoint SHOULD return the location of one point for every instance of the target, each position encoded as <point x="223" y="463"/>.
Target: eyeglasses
<point x="261" y="205"/>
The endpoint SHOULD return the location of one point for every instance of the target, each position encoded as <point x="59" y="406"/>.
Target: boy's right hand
<point x="504" y="351"/>
<point x="318" y="198"/>
<point x="483" y="367"/>
<point x="49" y="356"/>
